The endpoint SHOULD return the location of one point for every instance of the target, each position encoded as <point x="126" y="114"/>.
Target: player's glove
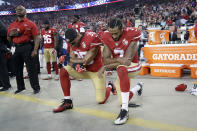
<point x="64" y="58"/>
<point x="79" y="67"/>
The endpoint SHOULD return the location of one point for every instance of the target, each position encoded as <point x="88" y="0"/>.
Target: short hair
<point x="70" y="34"/>
<point x="115" y="22"/>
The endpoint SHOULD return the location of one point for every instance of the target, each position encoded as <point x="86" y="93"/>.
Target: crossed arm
<point x="91" y="54"/>
<point x="110" y="62"/>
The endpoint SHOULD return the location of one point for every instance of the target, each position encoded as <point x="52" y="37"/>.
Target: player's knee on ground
<point x="100" y="95"/>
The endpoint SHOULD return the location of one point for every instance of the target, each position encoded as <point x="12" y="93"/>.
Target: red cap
<point x="181" y="87"/>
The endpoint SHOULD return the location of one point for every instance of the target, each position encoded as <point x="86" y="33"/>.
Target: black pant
<point x="4" y="78"/>
<point x="11" y="66"/>
<point x="37" y="63"/>
<point x="23" y="54"/>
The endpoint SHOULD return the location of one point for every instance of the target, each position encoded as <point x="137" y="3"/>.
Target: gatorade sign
<point x="172" y="54"/>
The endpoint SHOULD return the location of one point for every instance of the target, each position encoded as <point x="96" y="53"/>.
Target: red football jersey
<point x="119" y="48"/>
<point x="79" y="26"/>
<point x="89" y="41"/>
<point x="100" y="33"/>
<point x="48" y="37"/>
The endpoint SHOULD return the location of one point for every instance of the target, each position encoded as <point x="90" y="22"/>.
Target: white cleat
<point x="193" y="91"/>
<point x="141" y="88"/>
<point x="122" y="117"/>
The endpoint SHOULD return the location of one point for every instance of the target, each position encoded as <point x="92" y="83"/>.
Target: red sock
<point x="65" y="82"/>
<point x="107" y="94"/>
<point x="130" y="95"/>
<point x="55" y="67"/>
<point x="49" y="67"/>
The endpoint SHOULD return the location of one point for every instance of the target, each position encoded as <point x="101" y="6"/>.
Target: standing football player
<point x="77" y="24"/>
<point x="50" y="39"/>
<point x="120" y="52"/>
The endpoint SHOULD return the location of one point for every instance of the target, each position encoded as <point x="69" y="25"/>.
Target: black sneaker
<point x="19" y="90"/>
<point x="4" y="89"/>
<point x="66" y="104"/>
<point x="141" y="88"/>
<point x="36" y="91"/>
<point x="122" y="117"/>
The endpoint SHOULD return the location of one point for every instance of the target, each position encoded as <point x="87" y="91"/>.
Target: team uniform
<point x="79" y="26"/>
<point x="89" y="41"/>
<point x="118" y="49"/>
<point x="49" y="51"/>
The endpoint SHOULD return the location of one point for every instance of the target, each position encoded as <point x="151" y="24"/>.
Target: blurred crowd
<point x="40" y="3"/>
<point x="150" y="12"/>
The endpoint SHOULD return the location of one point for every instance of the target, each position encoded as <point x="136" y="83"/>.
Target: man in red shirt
<point x="84" y="62"/>
<point x="22" y="32"/>
<point x="76" y="24"/>
<point x="50" y="39"/>
<point x="120" y="52"/>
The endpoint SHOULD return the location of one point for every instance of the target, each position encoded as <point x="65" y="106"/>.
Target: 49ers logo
<point x="125" y="42"/>
<point x="83" y="45"/>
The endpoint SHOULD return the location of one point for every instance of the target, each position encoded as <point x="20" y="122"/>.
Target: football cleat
<point x="193" y="91"/>
<point x="113" y="88"/>
<point x="139" y="92"/>
<point x="49" y="77"/>
<point x="66" y="104"/>
<point x="122" y="117"/>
